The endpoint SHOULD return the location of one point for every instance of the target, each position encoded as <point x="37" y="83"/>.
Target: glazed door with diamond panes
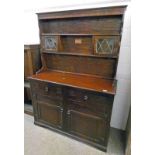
<point x="106" y="45"/>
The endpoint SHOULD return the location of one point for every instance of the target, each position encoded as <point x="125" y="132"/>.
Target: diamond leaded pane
<point x="105" y="46"/>
<point x="51" y="42"/>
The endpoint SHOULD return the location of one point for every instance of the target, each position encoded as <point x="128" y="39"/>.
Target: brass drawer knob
<point x="46" y="89"/>
<point x="85" y="98"/>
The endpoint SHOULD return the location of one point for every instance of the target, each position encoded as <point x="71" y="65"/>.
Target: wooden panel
<point x="95" y="102"/>
<point x="32" y="61"/>
<point x="106" y="11"/>
<point x="28" y="64"/>
<point x="27" y="94"/>
<point x="97" y="25"/>
<point x="80" y="123"/>
<point x="87" y="65"/>
<point x="26" y="68"/>
<point x="36" y="59"/>
<point x="48" y="89"/>
<point x="77" y="44"/>
<point x="86" y="82"/>
<point x="50" y="114"/>
<point x="50" y="100"/>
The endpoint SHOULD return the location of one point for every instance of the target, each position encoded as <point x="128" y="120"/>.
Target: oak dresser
<point x="73" y="92"/>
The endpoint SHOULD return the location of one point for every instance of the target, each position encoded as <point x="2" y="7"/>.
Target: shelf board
<point x="75" y="34"/>
<point x="80" y="54"/>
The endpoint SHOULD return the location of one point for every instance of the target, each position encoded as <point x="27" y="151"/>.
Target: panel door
<point x="49" y="114"/>
<point x="87" y="125"/>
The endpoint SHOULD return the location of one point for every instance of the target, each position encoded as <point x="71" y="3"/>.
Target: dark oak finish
<point x="44" y="114"/>
<point x="93" y="25"/>
<point x="107" y="11"/>
<point x="80" y="44"/>
<point x="87" y="82"/>
<point x="84" y="65"/>
<point x="32" y="60"/>
<point x="74" y="90"/>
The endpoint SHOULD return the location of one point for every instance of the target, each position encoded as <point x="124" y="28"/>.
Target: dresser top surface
<point x="81" y="81"/>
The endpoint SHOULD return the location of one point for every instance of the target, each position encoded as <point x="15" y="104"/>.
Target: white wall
<point x="123" y="95"/>
<point x="31" y="35"/>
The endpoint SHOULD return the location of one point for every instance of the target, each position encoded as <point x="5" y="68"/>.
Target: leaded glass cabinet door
<point x="50" y="42"/>
<point x="108" y="45"/>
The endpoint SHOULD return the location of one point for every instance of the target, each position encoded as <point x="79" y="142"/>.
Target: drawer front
<point x="50" y="114"/>
<point x="48" y="89"/>
<point x="50" y="100"/>
<point x="87" y="126"/>
<point x="100" y="104"/>
<point x="94" y="102"/>
<point x="75" y="94"/>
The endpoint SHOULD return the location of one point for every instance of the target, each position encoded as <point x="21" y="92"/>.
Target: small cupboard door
<point x="106" y="45"/>
<point x="50" y="114"/>
<point x="87" y="126"/>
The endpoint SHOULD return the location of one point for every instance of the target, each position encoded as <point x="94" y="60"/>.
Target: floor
<point x="28" y="109"/>
<point x="41" y="141"/>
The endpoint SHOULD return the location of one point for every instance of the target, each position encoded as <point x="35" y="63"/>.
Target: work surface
<point x="87" y="82"/>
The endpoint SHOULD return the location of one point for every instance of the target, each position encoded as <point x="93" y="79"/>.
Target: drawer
<point x="100" y="103"/>
<point x="50" y="100"/>
<point x="94" y="102"/>
<point x="77" y="95"/>
<point x="45" y="88"/>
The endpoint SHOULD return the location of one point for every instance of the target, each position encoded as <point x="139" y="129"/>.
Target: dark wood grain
<point x="76" y="112"/>
<point x="76" y="80"/>
<point x="80" y="44"/>
<point x="32" y="61"/>
<point x="80" y="122"/>
<point x="44" y="114"/>
<point x="86" y="65"/>
<point x="73" y="93"/>
<point x="109" y="11"/>
<point x="97" y="25"/>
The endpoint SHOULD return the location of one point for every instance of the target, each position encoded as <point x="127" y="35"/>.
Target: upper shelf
<point x="83" y="81"/>
<point x="80" y="54"/>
